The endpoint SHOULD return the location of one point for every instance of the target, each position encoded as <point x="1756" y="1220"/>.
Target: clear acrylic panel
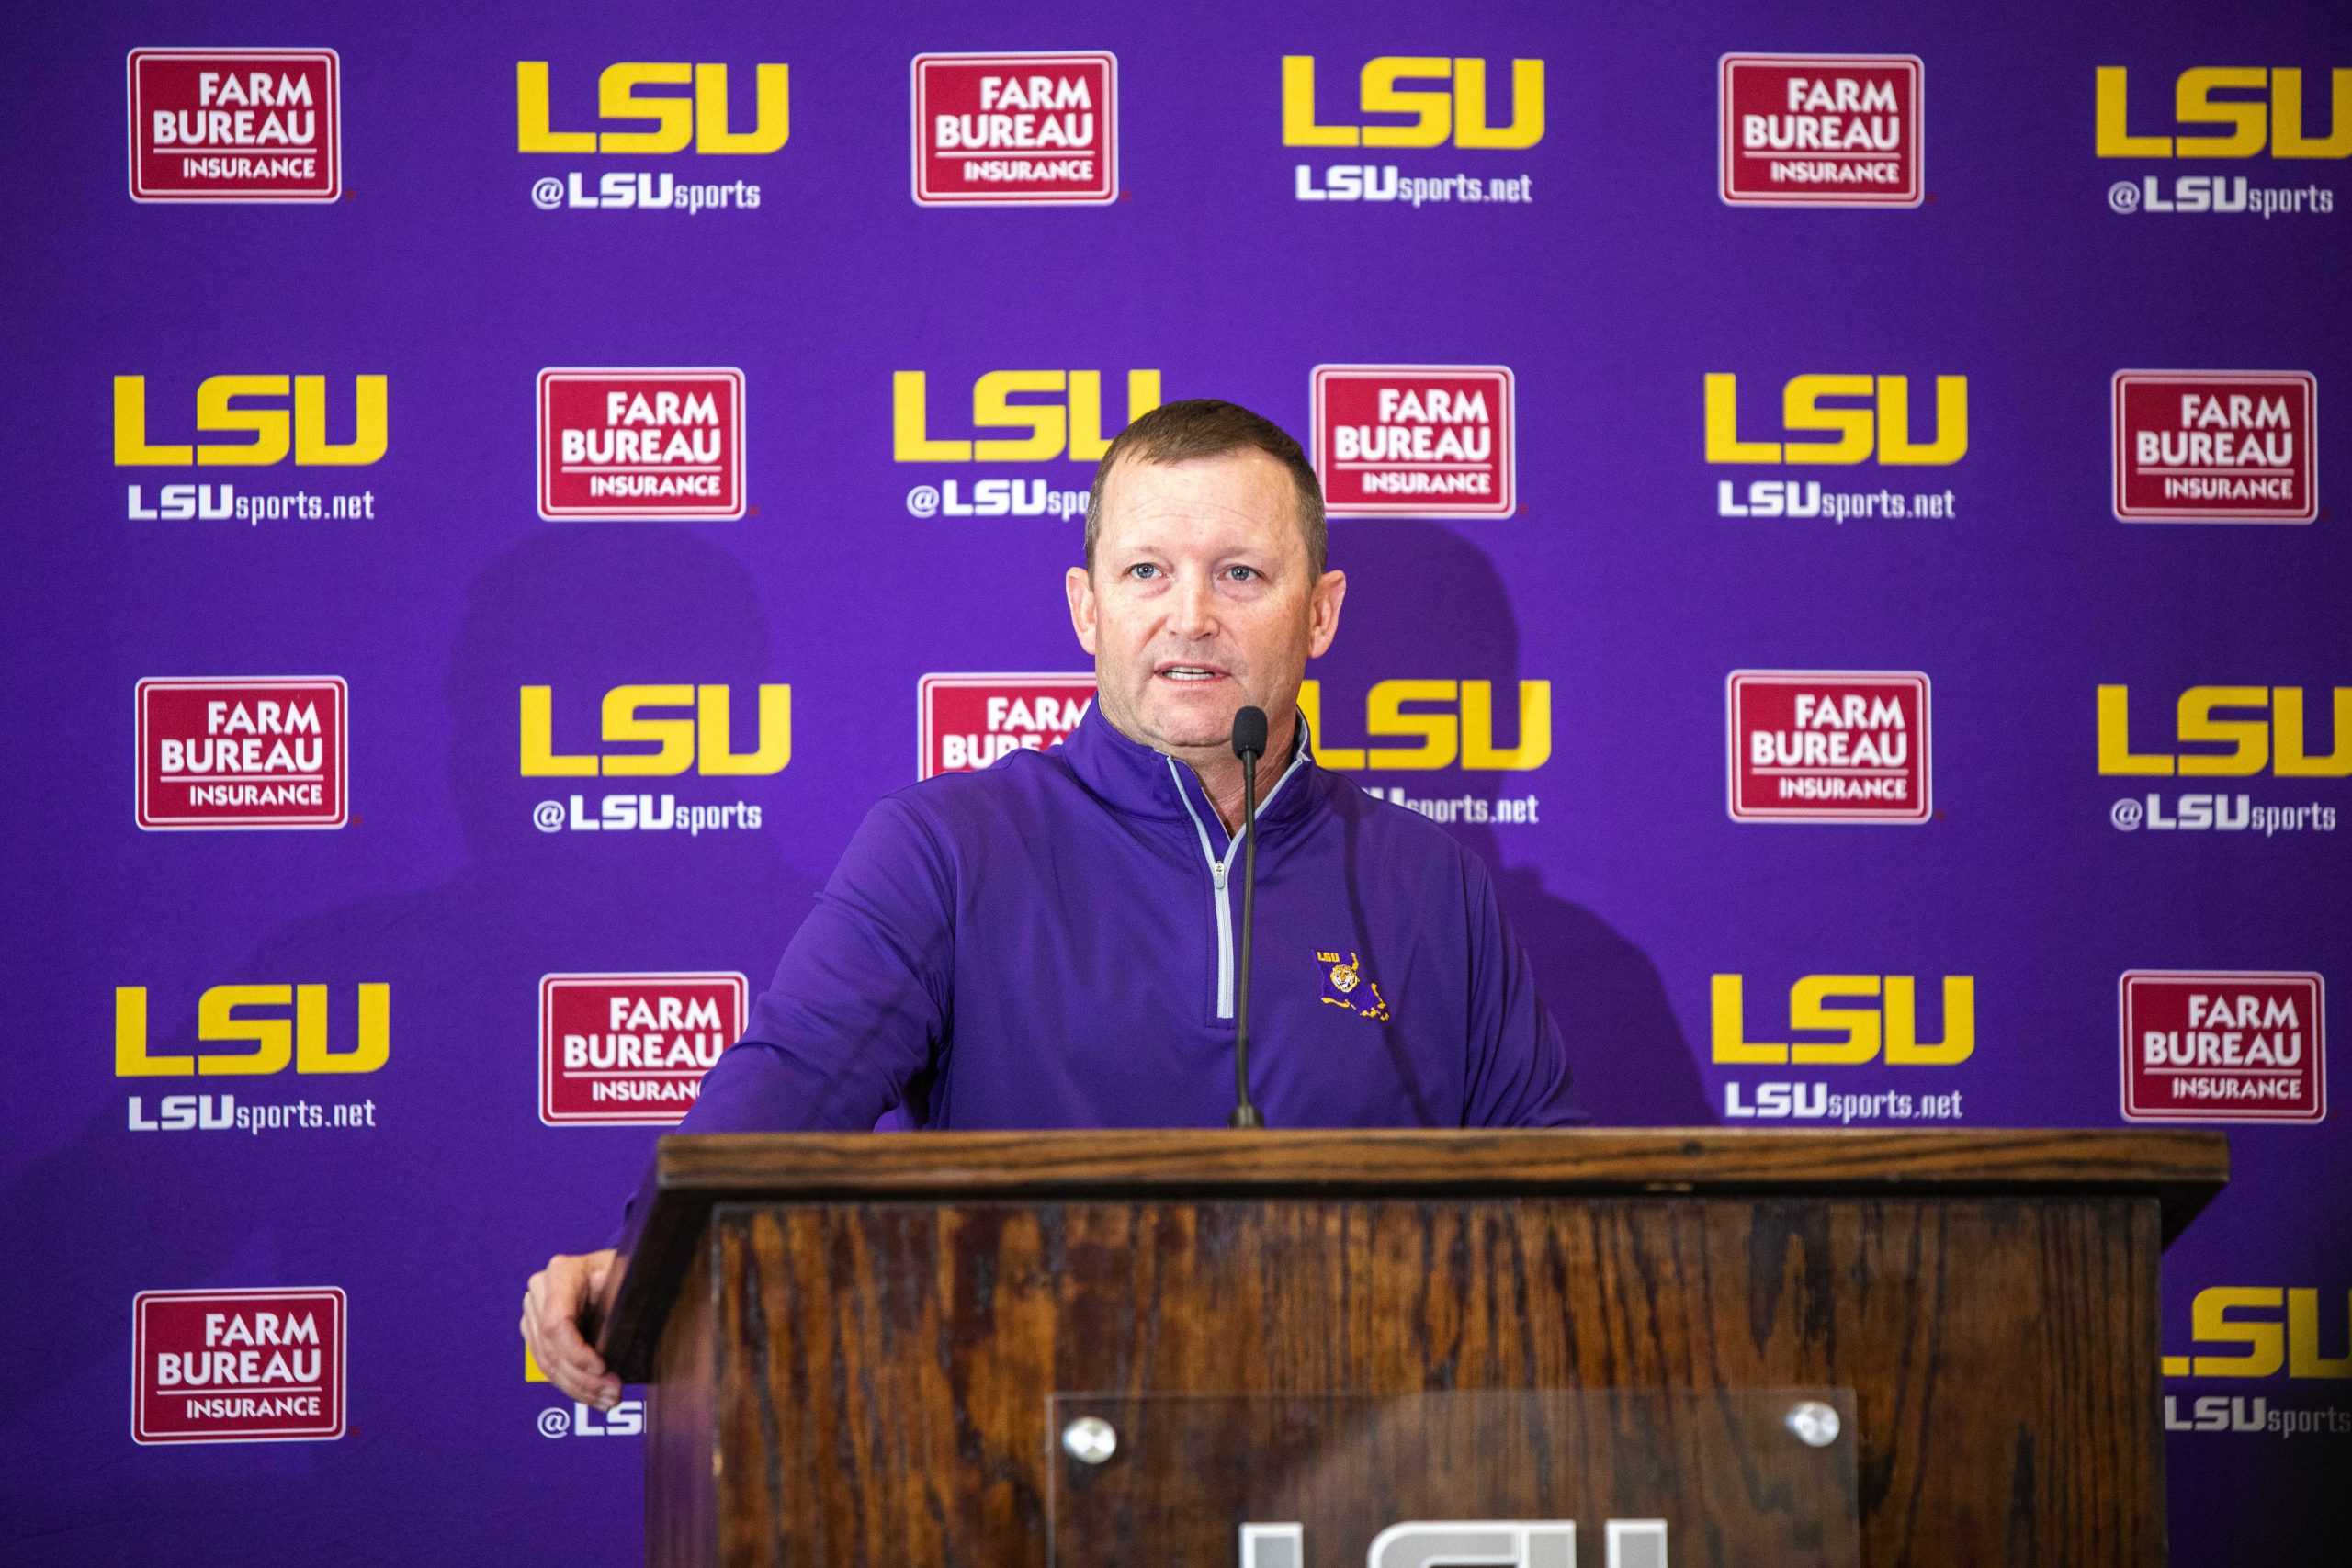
<point x="1600" y="1477"/>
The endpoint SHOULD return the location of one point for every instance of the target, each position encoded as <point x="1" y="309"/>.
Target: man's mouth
<point x="1189" y="674"/>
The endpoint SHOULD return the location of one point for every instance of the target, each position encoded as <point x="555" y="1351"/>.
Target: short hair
<point x="1210" y="427"/>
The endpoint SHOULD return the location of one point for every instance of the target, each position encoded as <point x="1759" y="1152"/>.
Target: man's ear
<point x="1323" y="611"/>
<point x="1078" y="582"/>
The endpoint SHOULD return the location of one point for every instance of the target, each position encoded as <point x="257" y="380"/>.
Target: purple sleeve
<point x="1519" y="1067"/>
<point x="860" y="998"/>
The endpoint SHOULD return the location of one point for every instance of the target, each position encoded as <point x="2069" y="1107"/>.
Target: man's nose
<point x="1193" y="614"/>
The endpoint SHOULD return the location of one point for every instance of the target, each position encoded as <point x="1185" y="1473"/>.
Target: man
<point x="1050" y="942"/>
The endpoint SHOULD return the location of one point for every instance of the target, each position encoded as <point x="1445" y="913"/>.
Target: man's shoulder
<point x="1387" y="829"/>
<point x="1015" y="789"/>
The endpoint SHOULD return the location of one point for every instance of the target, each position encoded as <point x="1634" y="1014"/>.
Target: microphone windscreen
<point x="1250" y="733"/>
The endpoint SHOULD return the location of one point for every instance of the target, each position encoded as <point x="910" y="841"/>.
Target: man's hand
<point x="551" y="1308"/>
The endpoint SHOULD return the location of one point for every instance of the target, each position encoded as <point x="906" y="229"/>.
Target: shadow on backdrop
<point x="1424" y="602"/>
<point x="457" y="1181"/>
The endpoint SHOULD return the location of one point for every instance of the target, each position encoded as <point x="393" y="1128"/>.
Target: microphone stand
<point x="1245" y="1114"/>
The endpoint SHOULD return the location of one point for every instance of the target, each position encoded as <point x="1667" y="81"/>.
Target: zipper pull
<point x="1219" y="871"/>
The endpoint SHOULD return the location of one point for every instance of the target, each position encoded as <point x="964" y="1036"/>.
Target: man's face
<point x="1200" y="600"/>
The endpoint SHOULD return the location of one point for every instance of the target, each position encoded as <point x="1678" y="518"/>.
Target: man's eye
<point x="1242" y="573"/>
<point x="1143" y="570"/>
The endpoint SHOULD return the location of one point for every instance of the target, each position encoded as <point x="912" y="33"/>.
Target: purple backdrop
<point x="1606" y="271"/>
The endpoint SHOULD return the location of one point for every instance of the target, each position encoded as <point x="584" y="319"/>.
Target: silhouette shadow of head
<point x="1425" y="603"/>
<point x="580" y="609"/>
<point x="451" y="1129"/>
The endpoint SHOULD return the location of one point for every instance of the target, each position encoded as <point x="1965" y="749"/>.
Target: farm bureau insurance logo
<point x="1820" y="130"/>
<point x="2273" y="120"/>
<point x="1029" y="127"/>
<point x="1829" y="746"/>
<point x="2271" y="735"/>
<point x="1416" y="440"/>
<point x="2223" y="1045"/>
<point x="965" y="723"/>
<point x="267" y="751"/>
<point x="625" y="1048"/>
<point x="242" y="1366"/>
<point x="235" y="124"/>
<point x="1449" y="108"/>
<point x="697" y="120"/>
<point x="642" y="443"/>
<point x="2216" y="447"/>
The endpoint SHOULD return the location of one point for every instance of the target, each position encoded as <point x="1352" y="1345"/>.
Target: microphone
<point x="1249" y="744"/>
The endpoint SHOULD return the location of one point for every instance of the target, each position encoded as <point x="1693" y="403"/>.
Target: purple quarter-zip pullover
<point x="1050" y="942"/>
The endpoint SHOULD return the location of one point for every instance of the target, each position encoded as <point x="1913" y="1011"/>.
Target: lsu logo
<point x="1829" y="746"/>
<point x="1417" y="440"/>
<point x="256" y="1031"/>
<point x="645" y="92"/>
<point x="2266" y="110"/>
<point x="1452" y="111"/>
<point x="2223" y="1046"/>
<point x="1346" y="986"/>
<point x="2248" y="1318"/>
<point x="626" y="1419"/>
<point x="641" y="444"/>
<point x="246" y="1366"/>
<point x="256" y="408"/>
<point x="2216" y="445"/>
<point x="1880" y="432"/>
<point x="272" y="751"/>
<point x="1454" y="726"/>
<point x="620" y="1049"/>
<point x="1438" y="1544"/>
<point x="1880" y="1020"/>
<point x="1820" y="130"/>
<point x="235" y="125"/>
<point x="700" y="740"/>
<point x="2276" y="743"/>
<point x="1027" y="129"/>
<point x="968" y="722"/>
<point x="1068" y="425"/>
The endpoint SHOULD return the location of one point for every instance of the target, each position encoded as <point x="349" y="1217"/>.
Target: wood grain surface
<point x="1393" y="1159"/>
<point x="682" y="1435"/>
<point x="2180" y="1169"/>
<point x="880" y="1371"/>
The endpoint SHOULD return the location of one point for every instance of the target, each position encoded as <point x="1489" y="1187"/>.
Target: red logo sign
<point x="271" y="751"/>
<point x="2222" y="1046"/>
<point x="237" y="1366"/>
<point x="235" y="125"/>
<point x="619" y="1049"/>
<point x="2216" y="445"/>
<point x="1415" y="440"/>
<point x="1038" y="130"/>
<point x="1829" y="746"/>
<point x="1820" y="130"/>
<point x="641" y="444"/>
<point x="967" y="722"/>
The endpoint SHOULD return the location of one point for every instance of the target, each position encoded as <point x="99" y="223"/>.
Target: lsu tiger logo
<point x="1346" y="985"/>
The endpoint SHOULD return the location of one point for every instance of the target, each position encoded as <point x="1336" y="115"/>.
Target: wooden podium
<point x="882" y="1347"/>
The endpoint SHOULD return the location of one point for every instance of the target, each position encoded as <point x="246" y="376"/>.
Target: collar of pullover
<point x="1130" y="777"/>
